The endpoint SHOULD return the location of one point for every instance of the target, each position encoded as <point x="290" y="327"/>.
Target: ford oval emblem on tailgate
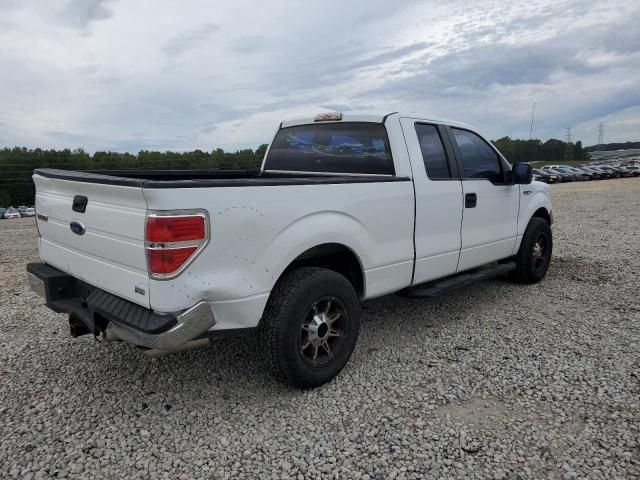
<point x="77" y="227"/>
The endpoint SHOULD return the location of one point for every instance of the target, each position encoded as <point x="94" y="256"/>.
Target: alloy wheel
<point x="323" y="331"/>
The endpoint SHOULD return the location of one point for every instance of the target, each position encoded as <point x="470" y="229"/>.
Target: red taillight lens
<point x="166" y="261"/>
<point x="172" y="239"/>
<point x="175" y="229"/>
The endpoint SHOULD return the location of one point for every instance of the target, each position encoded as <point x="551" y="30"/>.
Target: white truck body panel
<point x="256" y="232"/>
<point x="487" y="236"/>
<point x="438" y="215"/>
<point x="533" y="197"/>
<point x="110" y="255"/>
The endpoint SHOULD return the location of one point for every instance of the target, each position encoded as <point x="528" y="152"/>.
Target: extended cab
<point x="344" y="208"/>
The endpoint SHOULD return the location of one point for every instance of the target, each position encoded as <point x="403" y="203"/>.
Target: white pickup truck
<point x="345" y="208"/>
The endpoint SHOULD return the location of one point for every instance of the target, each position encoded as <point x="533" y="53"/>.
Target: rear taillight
<point x="173" y="239"/>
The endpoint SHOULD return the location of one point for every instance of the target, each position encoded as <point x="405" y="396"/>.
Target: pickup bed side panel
<point x="257" y="231"/>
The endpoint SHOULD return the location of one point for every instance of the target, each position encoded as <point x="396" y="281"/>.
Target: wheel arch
<point x="328" y="239"/>
<point x="536" y="205"/>
<point x="543" y="213"/>
<point x="541" y="210"/>
<point x="332" y="256"/>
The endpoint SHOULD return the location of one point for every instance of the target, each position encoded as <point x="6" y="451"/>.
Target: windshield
<point x="350" y="147"/>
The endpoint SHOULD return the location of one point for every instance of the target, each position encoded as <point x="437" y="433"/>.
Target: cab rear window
<point x="350" y="147"/>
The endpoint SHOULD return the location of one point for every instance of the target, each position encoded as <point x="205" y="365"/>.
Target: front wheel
<point x="310" y="326"/>
<point x="534" y="256"/>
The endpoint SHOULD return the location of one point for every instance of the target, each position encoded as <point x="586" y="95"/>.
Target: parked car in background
<point x="604" y="173"/>
<point x="633" y="170"/>
<point x="28" y="212"/>
<point x="580" y="176"/>
<point x="589" y="175"/>
<point x="539" y="178"/>
<point x="615" y="173"/>
<point x="11" y="213"/>
<point x="586" y="175"/>
<point x="623" y="171"/>
<point x="545" y="176"/>
<point x="2" y="210"/>
<point x="593" y="174"/>
<point x="566" y="177"/>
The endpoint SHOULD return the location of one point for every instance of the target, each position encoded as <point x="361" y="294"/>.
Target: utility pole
<point x="533" y="111"/>
<point x="601" y="133"/>
<point x="568" y="149"/>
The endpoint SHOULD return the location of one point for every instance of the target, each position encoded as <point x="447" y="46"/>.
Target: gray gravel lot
<point x="494" y="381"/>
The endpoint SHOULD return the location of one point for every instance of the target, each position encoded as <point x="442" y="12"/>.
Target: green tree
<point x="17" y="165"/>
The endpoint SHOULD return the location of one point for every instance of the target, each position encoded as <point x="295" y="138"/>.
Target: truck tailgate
<point x="107" y="248"/>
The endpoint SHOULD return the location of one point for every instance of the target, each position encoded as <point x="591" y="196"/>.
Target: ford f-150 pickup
<point x="345" y="208"/>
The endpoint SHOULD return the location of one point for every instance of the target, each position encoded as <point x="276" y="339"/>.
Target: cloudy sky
<point x="127" y="75"/>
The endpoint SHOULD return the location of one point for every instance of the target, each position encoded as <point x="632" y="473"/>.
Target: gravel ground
<point x="493" y="381"/>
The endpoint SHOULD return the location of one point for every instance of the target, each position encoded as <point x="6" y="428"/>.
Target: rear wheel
<point x="534" y="256"/>
<point x="310" y="326"/>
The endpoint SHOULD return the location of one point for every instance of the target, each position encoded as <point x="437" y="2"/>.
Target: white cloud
<point x="190" y="40"/>
<point x="81" y="13"/>
<point x="199" y="74"/>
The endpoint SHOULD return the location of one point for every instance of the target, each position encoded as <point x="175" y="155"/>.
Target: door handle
<point x="470" y="200"/>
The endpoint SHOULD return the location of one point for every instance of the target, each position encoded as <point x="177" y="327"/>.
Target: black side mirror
<point x="522" y="174"/>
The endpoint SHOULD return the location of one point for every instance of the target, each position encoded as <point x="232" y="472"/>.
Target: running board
<point x="440" y="287"/>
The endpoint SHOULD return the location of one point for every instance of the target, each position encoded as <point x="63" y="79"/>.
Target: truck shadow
<point x="230" y="383"/>
<point x="233" y="371"/>
<point x="232" y="368"/>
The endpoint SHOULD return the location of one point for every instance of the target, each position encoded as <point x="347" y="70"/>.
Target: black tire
<point x="534" y="256"/>
<point x="302" y="298"/>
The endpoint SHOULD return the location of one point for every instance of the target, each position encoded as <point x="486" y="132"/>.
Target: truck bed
<point x="207" y="178"/>
<point x="255" y="232"/>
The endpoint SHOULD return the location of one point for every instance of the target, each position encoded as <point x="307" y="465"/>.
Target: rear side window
<point x="433" y="154"/>
<point x="479" y="160"/>
<point x="350" y="147"/>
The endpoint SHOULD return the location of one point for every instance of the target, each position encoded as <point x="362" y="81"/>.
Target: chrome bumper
<point x="102" y="313"/>
<point x="191" y="323"/>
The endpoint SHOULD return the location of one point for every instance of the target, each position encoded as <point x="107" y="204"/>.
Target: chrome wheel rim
<point x="540" y="252"/>
<point x="323" y="331"/>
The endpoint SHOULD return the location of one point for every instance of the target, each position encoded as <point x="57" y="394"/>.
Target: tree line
<point x="553" y="150"/>
<point x="607" y="147"/>
<point x="17" y="164"/>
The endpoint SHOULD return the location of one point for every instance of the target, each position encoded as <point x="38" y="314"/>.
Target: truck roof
<point x="374" y="117"/>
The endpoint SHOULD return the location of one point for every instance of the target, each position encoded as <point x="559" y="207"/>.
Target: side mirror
<point x="522" y="174"/>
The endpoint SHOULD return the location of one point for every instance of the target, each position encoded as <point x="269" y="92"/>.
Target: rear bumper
<point x="118" y="319"/>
